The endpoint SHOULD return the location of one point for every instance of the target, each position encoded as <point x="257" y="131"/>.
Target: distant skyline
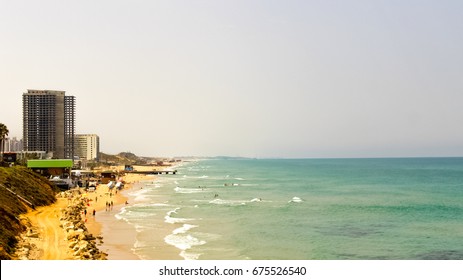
<point x="244" y="78"/>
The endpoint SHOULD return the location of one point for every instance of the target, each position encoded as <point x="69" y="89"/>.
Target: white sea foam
<point x="119" y="217"/>
<point x="159" y="204"/>
<point x="126" y="216"/>
<point x="123" y="213"/>
<point x="139" y="228"/>
<point x="183" y="242"/>
<point x="139" y="211"/>
<point x="123" y="210"/>
<point x="188" y="190"/>
<point x="138" y="192"/>
<point x="173" y="211"/>
<point x="173" y="220"/>
<point x="141" y="198"/>
<point x="140" y="195"/>
<point x="189" y="256"/>
<point x="219" y="201"/>
<point x="296" y="200"/>
<point x="184" y="228"/>
<point x="137" y="249"/>
<point x="239" y="179"/>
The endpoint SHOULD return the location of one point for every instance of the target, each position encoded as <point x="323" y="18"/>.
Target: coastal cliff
<point x="20" y="191"/>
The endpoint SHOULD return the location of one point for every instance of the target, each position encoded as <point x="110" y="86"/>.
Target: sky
<point x="296" y="79"/>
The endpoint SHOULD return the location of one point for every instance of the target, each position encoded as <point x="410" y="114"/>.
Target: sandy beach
<point x="46" y="239"/>
<point x="117" y="235"/>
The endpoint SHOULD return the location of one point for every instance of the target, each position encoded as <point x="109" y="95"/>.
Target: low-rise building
<point x="57" y="170"/>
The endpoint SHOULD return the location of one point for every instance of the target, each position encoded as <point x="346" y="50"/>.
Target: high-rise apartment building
<point x="12" y="145"/>
<point x="49" y="122"/>
<point x="87" y="146"/>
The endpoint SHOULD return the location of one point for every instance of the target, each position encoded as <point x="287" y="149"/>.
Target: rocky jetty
<point x="81" y="242"/>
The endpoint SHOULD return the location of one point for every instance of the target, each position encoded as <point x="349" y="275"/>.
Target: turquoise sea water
<point x="309" y="209"/>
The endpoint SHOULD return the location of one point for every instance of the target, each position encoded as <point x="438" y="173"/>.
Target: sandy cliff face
<point x="20" y="191"/>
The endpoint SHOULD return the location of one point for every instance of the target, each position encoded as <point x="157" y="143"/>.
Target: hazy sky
<point x="244" y="78"/>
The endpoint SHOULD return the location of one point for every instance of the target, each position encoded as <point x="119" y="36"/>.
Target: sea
<point x="301" y="209"/>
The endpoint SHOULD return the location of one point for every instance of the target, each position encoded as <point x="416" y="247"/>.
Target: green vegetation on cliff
<point x="20" y="189"/>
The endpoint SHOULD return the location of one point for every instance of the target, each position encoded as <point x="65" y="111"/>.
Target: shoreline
<point x="48" y="235"/>
<point x="119" y="237"/>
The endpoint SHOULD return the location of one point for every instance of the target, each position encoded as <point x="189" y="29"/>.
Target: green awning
<point x="50" y="163"/>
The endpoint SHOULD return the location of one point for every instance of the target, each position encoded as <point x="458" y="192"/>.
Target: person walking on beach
<point x="112" y="205"/>
<point x="85" y="212"/>
<point x="94" y="212"/>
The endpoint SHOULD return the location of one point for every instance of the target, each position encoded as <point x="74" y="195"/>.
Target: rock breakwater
<point x="82" y="243"/>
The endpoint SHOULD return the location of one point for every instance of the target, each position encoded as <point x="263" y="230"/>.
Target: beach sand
<point x="47" y="240"/>
<point x="116" y="237"/>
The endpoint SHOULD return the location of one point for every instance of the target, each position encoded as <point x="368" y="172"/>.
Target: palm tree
<point x="3" y="133"/>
